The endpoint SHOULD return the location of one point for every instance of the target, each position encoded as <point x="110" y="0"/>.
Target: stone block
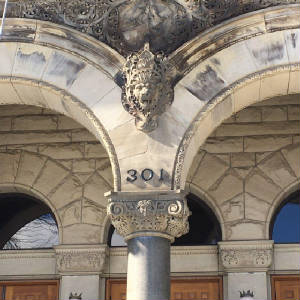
<point x="255" y="209"/>
<point x="84" y="165"/>
<point x="292" y="39"/>
<point x="69" y="190"/>
<point x="62" y="150"/>
<point x="95" y="188"/>
<point x="19" y="110"/>
<point x="247" y="230"/>
<point x="29" y="168"/>
<point x="103" y="167"/>
<point x="197" y="159"/>
<point x="223" y="145"/>
<point x="292" y="155"/>
<point x="294" y="84"/>
<point x="95" y="150"/>
<point x="294" y="112"/>
<point x="276" y="167"/>
<point x="34" y="138"/>
<point x="274" y="85"/>
<point x="8" y="94"/>
<point x="266" y="128"/>
<point x="233" y="209"/>
<point x="34" y="123"/>
<point x="9" y="162"/>
<point x="286" y="257"/>
<point x="92" y="213"/>
<point x="210" y="170"/>
<point x="31" y="60"/>
<point x="246" y="95"/>
<point x="82" y="135"/>
<point x="82" y="234"/>
<point x="5" y="123"/>
<point x="242" y="159"/>
<point x="266" y="143"/>
<point x="7" y="57"/>
<point x="71" y="214"/>
<point x="226" y="188"/>
<point x="278" y="113"/>
<point x="51" y="175"/>
<point x="249" y="115"/>
<point x="280" y="100"/>
<point x="222" y="110"/>
<point x="65" y="122"/>
<point x="296" y="139"/>
<point x="91" y="85"/>
<point x="260" y="186"/>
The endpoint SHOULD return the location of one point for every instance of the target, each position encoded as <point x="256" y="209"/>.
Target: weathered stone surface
<point x="195" y="165"/>
<point x="5" y="124"/>
<point x="34" y="123"/>
<point x="266" y="143"/>
<point x="82" y="135"/>
<point x="29" y="167"/>
<point x="95" y="150"/>
<point x="9" y="162"/>
<point x="69" y="190"/>
<point x="71" y="214"/>
<point x="82" y="234"/>
<point x="294" y="112"/>
<point x="51" y="175"/>
<point x="211" y="168"/>
<point x="278" y="170"/>
<point x="242" y="159"/>
<point x="261" y="187"/>
<point x="92" y="213"/>
<point x="223" y="145"/>
<point x="255" y="209"/>
<point x="67" y="123"/>
<point x="292" y="155"/>
<point x="63" y="151"/>
<point x="226" y="188"/>
<point x="274" y="113"/>
<point x="84" y="165"/>
<point x="250" y="114"/>
<point x="233" y="209"/>
<point x="19" y="110"/>
<point x="245" y="230"/>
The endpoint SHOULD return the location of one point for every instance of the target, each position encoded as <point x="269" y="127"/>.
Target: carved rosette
<point x="147" y="90"/>
<point x="164" y="214"/>
<point x="245" y="256"/>
<point x="72" y="259"/>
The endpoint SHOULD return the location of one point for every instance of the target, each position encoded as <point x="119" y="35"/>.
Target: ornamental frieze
<point x="246" y="255"/>
<point x="128" y="25"/>
<point x="77" y="258"/>
<point x="133" y="214"/>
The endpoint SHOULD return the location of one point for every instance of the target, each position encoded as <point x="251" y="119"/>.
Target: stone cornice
<point x="81" y="259"/>
<point x="245" y="256"/>
<point x="162" y="214"/>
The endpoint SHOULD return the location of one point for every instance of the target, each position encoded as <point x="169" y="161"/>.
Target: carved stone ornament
<point x="245" y="256"/>
<point x="164" y="214"/>
<point x="147" y="90"/>
<point x="80" y="259"/>
<point x="127" y="24"/>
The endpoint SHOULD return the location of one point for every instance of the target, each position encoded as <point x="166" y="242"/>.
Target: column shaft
<point x="148" y="274"/>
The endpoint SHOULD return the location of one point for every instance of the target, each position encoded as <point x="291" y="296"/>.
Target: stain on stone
<point x="207" y="84"/>
<point x="270" y="53"/>
<point x="293" y="35"/>
<point x="64" y="67"/>
<point x="31" y="59"/>
<point x="216" y="61"/>
<point x="119" y="80"/>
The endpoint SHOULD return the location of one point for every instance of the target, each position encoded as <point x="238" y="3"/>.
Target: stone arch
<point x="257" y="59"/>
<point x="78" y="206"/>
<point x="49" y="67"/>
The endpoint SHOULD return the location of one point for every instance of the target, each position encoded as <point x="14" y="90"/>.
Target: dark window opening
<point x="26" y="223"/>
<point x="285" y="225"/>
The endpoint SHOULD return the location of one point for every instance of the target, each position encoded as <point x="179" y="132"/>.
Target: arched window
<point x="285" y="226"/>
<point x="204" y="227"/>
<point x="26" y="223"/>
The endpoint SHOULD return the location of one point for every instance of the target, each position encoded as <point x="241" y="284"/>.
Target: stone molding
<point x="127" y="25"/>
<point x="246" y="256"/>
<point x="162" y="214"/>
<point x="75" y="259"/>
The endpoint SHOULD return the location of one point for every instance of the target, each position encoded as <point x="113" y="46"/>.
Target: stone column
<point x="80" y="267"/>
<point x="149" y="222"/>
<point x="246" y="264"/>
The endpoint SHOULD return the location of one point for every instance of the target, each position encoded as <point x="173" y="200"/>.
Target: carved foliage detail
<point x="163" y="216"/>
<point x="147" y="90"/>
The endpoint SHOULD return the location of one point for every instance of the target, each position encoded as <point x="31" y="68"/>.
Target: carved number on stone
<point x="146" y="175"/>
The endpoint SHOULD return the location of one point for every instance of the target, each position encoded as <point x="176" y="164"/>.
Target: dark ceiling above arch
<point x="127" y="25"/>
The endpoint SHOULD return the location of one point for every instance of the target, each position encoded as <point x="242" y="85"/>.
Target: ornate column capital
<point x="162" y="214"/>
<point x="246" y="256"/>
<point x="80" y="259"/>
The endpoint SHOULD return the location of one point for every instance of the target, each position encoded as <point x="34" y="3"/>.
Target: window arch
<point x="26" y="223"/>
<point x="285" y="224"/>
